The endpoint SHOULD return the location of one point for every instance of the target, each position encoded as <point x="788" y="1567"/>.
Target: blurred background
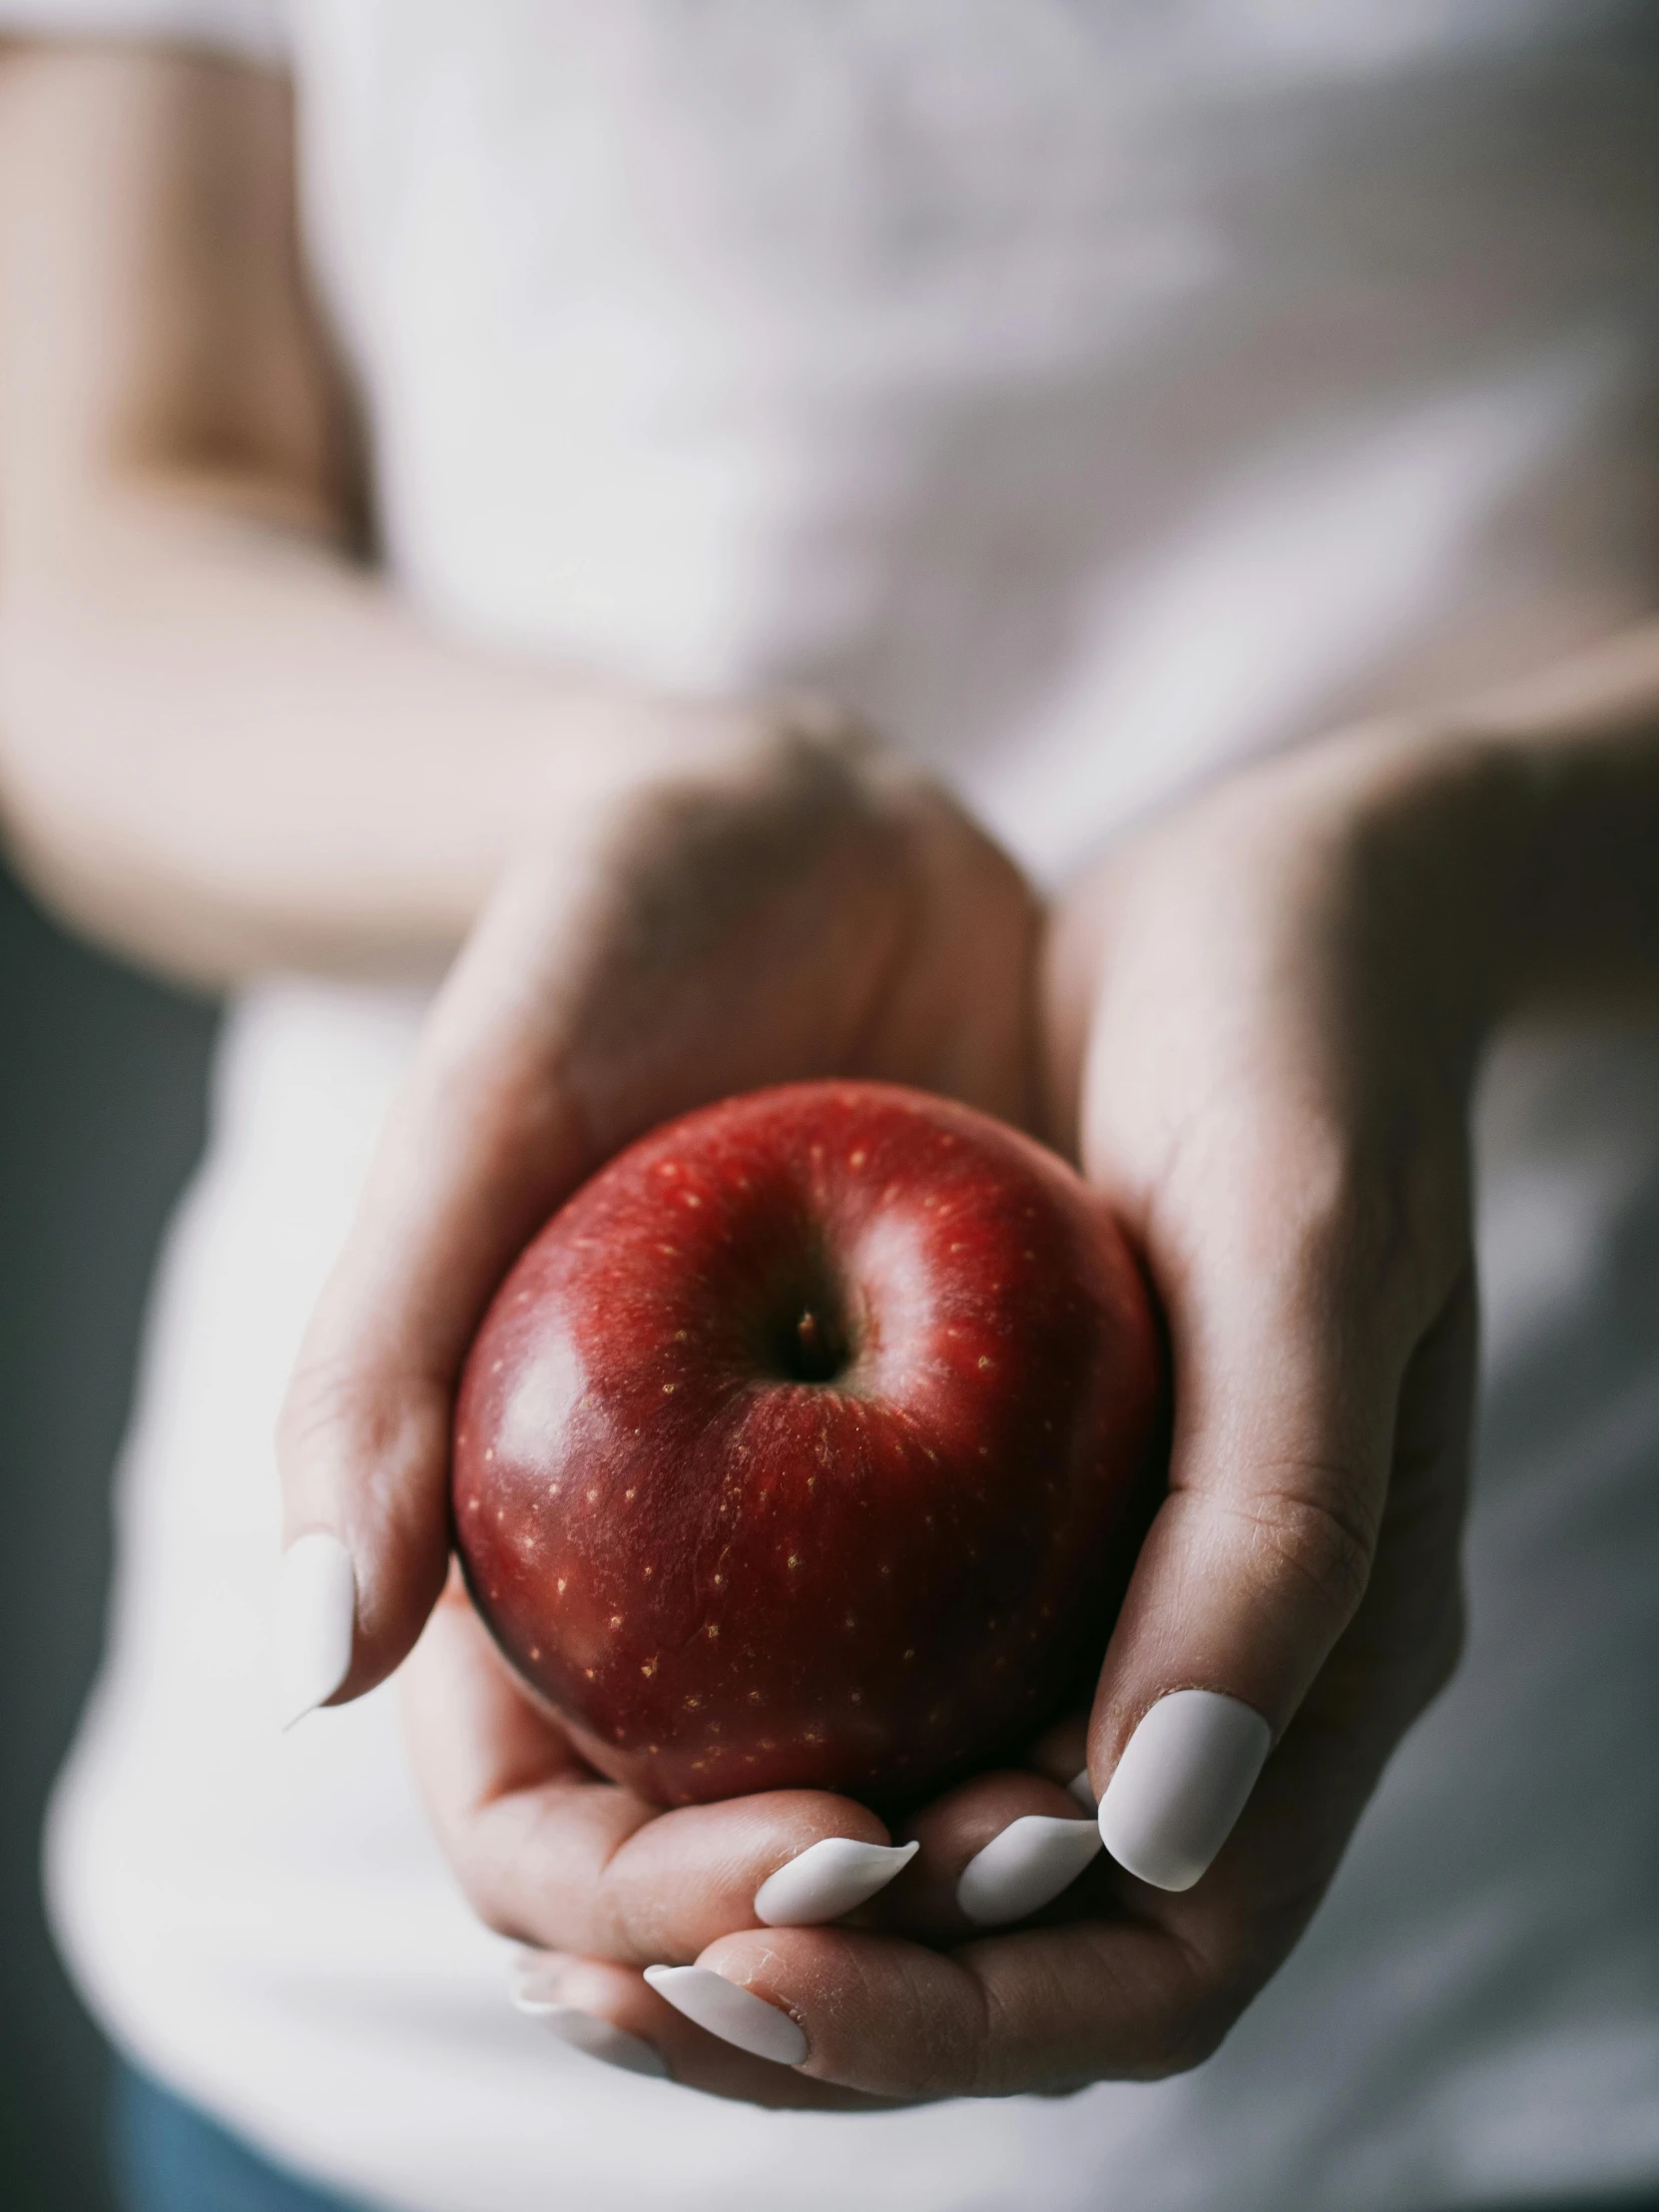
<point x="101" y="1117"/>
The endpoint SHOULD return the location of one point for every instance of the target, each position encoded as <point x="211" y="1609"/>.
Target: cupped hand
<point x="798" y="905"/>
<point x="1263" y="1020"/>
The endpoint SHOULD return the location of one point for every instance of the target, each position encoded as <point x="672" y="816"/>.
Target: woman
<point x="1210" y="443"/>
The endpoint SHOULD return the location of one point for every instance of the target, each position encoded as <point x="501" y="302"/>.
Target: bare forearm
<point x="226" y="748"/>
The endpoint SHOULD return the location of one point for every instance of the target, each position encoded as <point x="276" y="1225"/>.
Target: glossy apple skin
<point x="725" y="1569"/>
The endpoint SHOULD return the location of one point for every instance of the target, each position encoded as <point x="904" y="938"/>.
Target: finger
<point x="1043" y="2008"/>
<point x="477" y="1150"/>
<point x="994" y="1850"/>
<point x="553" y="1855"/>
<point x="611" y="2014"/>
<point x="713" y="938"/>
<point x="1290" y="1348"/>
<point x="1398" y="1652"/>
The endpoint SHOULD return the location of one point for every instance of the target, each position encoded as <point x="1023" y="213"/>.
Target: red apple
<point x="805" y="1444"/>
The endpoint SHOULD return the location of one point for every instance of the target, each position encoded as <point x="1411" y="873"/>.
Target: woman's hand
<point x="1264" y="1017"/>
<point x="799" y="906"/>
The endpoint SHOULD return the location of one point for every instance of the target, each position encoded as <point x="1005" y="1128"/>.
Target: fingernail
<point x="828" y="1880"/>
<point x="538" y="1977"/>
<point x="1183" y="1781"/>
<point x="1082" y="1789"/>
<point x="729" y="2011"/>
<point x="1033" y="1859"/>
<point x="602" y="2040"/>
<point x="316" y="1605"/>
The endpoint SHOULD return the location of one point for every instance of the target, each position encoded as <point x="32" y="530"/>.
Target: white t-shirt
<point x="1091" y="390"/>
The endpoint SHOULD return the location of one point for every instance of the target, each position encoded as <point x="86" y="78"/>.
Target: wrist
<point x="1436" y="825"/>
<point x="1530" y="821"/>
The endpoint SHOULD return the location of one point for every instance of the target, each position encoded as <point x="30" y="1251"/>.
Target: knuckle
<point x="478" y="1874"/>
<point x="1193" y="2029"/>
<point x="948" y="2049"/>
<point x="498" y="1850"/>
<point x="1311" y="1526"/>
<point x="321" y="1396"/>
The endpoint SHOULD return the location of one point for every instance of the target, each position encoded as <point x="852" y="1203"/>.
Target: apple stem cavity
<point x="817" y="1354"/>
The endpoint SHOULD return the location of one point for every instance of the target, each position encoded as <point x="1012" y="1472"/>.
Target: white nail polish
<point x="828" y="1880"/>
<point x="1183" y="1781"/>
<point x="316" y="1606"/>
<point x="1032" y="1861"/>
<point x="1082" y="1789"/>
<point x="602" y="2040"/>
<point x="729" y="2011"/>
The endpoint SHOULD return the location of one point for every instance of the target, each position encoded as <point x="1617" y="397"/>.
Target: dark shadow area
<point x="101" y="1117"/>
